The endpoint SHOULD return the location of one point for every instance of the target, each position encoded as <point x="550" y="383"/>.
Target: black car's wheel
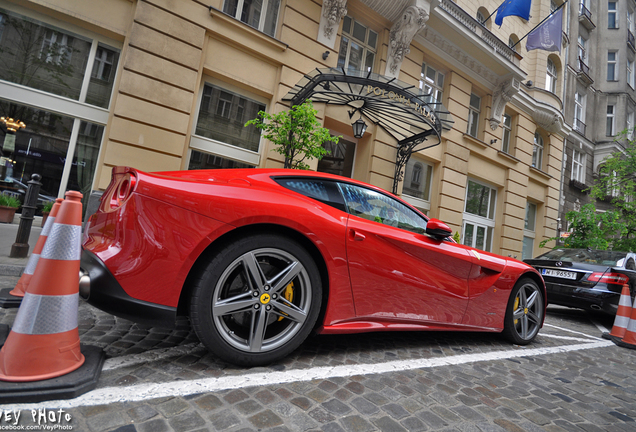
<point x="257" y="300"/>
<point x="524" y="314"/>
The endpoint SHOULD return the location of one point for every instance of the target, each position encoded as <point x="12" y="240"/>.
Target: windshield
<point x="610" y="258"/>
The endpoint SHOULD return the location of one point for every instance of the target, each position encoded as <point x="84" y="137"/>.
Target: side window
<point x="375" y="206"/>
<point x="631" y="265"/>
<point x="321" y="190"/>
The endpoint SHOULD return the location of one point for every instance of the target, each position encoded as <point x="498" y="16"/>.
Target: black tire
<point x="257" y="300"/>
<point x="524" y="312"/>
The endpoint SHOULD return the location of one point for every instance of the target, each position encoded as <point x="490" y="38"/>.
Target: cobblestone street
<point x="156" y="380"/>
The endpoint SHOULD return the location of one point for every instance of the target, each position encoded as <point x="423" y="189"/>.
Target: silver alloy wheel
<point x="252" y="306"/>
<point x="527" y="311"/>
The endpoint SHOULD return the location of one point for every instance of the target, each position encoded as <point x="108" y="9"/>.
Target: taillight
<point x="119" y="191"/>
<point x="608" y="278"/>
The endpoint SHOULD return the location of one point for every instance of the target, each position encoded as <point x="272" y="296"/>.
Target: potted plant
<point x="46" y="210"/>
<point x="8" y="206"/>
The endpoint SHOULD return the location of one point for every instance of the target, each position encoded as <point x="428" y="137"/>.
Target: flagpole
<point x="493" y="12"/>
<point x="544" y="20"/>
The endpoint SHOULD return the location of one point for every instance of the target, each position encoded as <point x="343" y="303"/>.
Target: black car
<point x="586" y="278"/>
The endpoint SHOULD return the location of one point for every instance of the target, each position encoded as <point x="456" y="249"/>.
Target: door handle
<point x="356" y="236"/>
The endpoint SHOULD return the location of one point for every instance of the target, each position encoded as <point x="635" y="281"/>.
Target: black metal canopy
<point x="403" y="110"/>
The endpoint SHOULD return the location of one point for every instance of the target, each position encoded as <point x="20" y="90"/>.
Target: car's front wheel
<point x="524" y="314"/>
<point x="257" y="300"/>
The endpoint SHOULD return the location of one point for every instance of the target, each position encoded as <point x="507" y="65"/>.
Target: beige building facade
<point x="168" y="85"/>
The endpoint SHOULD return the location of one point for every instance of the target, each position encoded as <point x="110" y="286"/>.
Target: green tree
<point x="296" y="133"/>
<point x="591" y="229"/>
<point x="616" y="183"/>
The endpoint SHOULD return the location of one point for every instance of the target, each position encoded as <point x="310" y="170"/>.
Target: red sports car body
<point x="259" y="258"/>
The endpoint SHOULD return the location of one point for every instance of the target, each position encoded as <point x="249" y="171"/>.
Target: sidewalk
<point x="15" y="266"/>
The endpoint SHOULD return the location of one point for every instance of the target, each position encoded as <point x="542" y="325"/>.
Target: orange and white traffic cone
<point x="44" y="341"/>
<point x="629" y="340"/>
<point x="25" y="279"/>
<point x="622" y="315"/>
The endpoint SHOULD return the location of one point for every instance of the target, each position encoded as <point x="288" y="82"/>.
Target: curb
<point x="11" y="270"/>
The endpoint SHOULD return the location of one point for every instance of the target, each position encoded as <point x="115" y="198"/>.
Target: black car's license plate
<point x="558" y="273"/>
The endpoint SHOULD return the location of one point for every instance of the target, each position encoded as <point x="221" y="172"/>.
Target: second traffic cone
<point x="44" y="341"/>
<point x="25" y="279"/>
<point x="622" y="315"/>
<point x="629" y="340"/>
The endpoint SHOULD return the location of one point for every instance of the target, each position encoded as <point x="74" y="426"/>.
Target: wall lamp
<point x="325" y="55"/>
<point x="359" y="127"/>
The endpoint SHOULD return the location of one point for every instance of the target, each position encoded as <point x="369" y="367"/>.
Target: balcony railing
<point x="579" y="126"/>
<point x="630" y="40"/>
<point x="585" y="17"/>
<point x="583" y="75"/>
<point x="584" y="67"/>
<point x="474" y="26"/>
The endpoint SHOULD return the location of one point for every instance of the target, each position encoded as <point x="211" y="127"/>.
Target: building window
<point x="417" y="179"/>
<point x="579" y="113"/>
<point x="221" y="118"/>
<point x="260" y="14"/>
<point x="507" y="133"/>
<point x="582" y="48"/>
<point x="479" y="215"/>
<point x="578" y="166"/>
<point x="612" y="22"/>
<point x="551" y="77"/>
<point x="357" y="47"/>
<point x="630" y="125"/>
<point x="481" y="19"/>
<point x="537" y="151"/>
<point x="512" y="42"/>
<point x="610" y="128"/>
<point x="432" y="82"/>
<point x="473" y="115"/>
<point x="612" y="59"/>
<point x="529" y="231"/>
<point x="56" y="47"/>
<point x="201" y="160"/>
<point x="339" y="160"/>
<point x="630" y="73"/>
<point x="103" y="64"/>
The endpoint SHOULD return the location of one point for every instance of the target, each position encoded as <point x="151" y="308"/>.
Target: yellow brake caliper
<point x="515" y="308"/>
<point x="289" y="296"/>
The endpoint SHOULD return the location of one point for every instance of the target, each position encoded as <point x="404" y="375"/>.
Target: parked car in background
<point x="258" y="259"/>
<point x="586" y="278"/>
<point x="14" y="187"/>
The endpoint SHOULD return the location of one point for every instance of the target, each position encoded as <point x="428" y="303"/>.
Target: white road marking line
<point x="139" y="392"/>
<point x="571" y="331"/>
<point x="149" y="356"/>
<point x="599" y="326"/>
<point x="564" y="337"/>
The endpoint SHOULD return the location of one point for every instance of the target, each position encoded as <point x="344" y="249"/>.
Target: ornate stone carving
<point x="412" y="21"/>
<point x="503" y="93"/>
<point x="332" y="13"/>
<point x="547" y="119"/>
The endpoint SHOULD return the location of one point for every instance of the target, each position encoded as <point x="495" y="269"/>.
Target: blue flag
<point x="547" y="36"/>
<point x="520" y="8"/>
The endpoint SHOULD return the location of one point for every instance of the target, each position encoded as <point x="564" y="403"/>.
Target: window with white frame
<point x="432" y="82"/>
<point x="612" y="22"/>
<point x="551" y="77"/>
<point x="220" y="127"/>
<point x="529" y="231"/>
<point x="357" y="47"/>
<point x="103" y="64"/>
<point x="46" y="81"/>
<point x="473" y="115"/>
<point x="610" y="124"/>
<point x="479" y="215"/>
<point x="579" y="112"/>
<point x="582" y="48"/>
<point x="537" y="151"/>
<point x="612" y="60"/>
<point x="260" y="14"/>
<point x="630" y="125"/>
<point x="578" y="166"/>
<point x="507" y="133"/>
<point x="630" y="73"/>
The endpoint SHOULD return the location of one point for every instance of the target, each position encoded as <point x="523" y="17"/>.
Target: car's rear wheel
<point x="524" y="314"/>
<point x="257" y="300"/>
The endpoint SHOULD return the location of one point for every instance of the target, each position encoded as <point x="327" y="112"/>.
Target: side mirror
<point x="437" y="228"/>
